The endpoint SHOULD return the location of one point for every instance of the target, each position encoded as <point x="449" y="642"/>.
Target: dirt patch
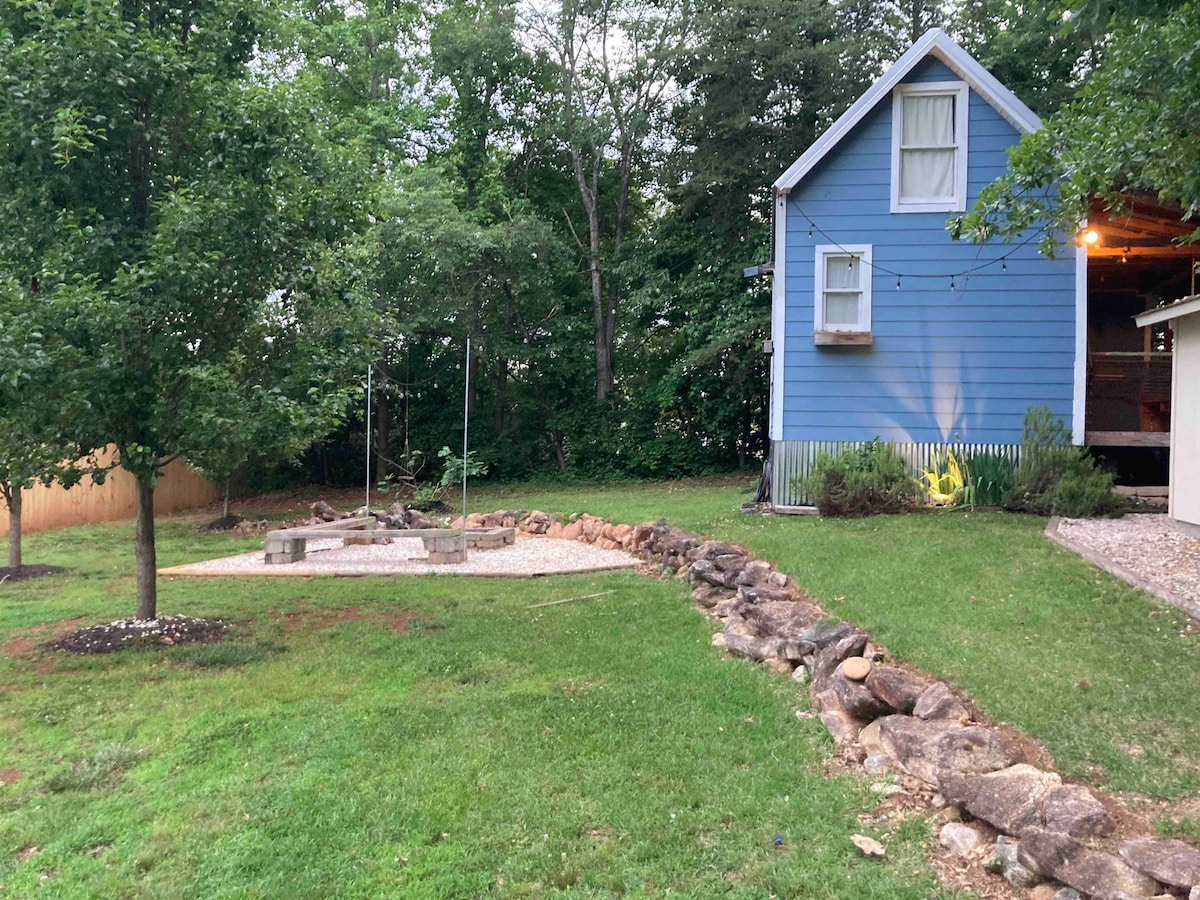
<point x="165" y="631"/>
<point x="318" y="618"/>
<point x="27" y="643"/>
<point x="28" y="853"/>
<point x="9" y="776"/>
<point x="10" y="575"/>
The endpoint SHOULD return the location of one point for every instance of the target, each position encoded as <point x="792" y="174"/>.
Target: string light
<point x="813" y="227"/>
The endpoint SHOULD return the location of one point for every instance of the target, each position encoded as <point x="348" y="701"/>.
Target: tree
<point x="611" y="63"/>
<point x="185" y="229"/>
<point x="32" y="451"/>
<point x="1131" y="126"/>
<point x="1026" y="45"/>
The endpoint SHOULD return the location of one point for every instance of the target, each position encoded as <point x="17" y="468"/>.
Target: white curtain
<point x="843" y="288"/>
<point x="927" y="123"/>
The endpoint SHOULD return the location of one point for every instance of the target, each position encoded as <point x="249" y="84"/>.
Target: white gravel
<point x="406" y="556"/>
<point x="1151" y="546"/>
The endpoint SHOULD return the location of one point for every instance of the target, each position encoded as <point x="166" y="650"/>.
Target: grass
<point x="1106" y="677"/>
<point x="421" y="738"/>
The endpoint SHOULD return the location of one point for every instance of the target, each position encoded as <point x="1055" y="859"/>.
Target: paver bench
<point x="443" y="546"/>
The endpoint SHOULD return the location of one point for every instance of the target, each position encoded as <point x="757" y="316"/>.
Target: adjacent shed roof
<point x="1184" y="307"/>
<point x="934" y="42"/>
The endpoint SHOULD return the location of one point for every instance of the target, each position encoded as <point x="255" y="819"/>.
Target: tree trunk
<point x="147" y="568"/>
<point x="14" y="526"/>
<point x="225" y="510"/>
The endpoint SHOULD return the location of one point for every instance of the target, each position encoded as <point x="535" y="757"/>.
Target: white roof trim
<point x="934" y="42"/>
<point x="1184" y="307"/>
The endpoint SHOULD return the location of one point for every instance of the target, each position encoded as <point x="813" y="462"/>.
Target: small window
<point x="843" y="295"/>
<point x="929" y="148"/>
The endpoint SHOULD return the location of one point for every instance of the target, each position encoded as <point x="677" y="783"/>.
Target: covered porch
<point x="1133" y="264"/>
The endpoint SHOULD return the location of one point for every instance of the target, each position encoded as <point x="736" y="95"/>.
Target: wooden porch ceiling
<point x="1143" y="227"/>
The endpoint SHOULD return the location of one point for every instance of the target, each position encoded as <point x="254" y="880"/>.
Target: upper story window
<point x="929" y="147"/>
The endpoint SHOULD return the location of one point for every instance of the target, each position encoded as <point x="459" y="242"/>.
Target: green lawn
<point x="595" y="749"/>
<point x="1098" y="671"/>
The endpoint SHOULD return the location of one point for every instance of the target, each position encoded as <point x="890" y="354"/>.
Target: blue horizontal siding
<point x="834" y="390"/>
<point x="945" y="364"/>
<point x="918" y="376"/>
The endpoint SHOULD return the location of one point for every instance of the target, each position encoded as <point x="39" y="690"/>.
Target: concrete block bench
<point x="443" y="546"/>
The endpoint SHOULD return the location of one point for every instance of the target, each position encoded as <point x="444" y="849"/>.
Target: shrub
<point x="1057" y="478"/>
<point x="870" y="480"/>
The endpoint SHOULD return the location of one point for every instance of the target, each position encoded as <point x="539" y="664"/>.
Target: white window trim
<point x="961" y="94"/>
<point x="863" y="252"/>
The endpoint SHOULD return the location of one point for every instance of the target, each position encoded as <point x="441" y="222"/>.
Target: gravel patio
<point x="527" y="558"/>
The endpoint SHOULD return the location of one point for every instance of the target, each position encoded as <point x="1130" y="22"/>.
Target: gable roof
<point x="936" y="43"/>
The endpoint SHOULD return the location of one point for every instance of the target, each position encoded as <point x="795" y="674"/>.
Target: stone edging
<point x="1115" y="569"/>
<point x="1043" y="835"/>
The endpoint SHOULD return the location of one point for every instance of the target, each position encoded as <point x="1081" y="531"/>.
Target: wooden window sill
<point x="843" y="338"/>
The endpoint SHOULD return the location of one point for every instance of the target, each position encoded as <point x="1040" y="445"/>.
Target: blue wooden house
<point x="882" y="325"/>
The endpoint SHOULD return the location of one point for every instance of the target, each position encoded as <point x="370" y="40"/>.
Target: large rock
<point x="710" y="550"/>
<point x="960" y="839"/>
<point x="763" y="593"/>
<point x="323" y="511"/>
<point x="936" y="750"/>
<point x="870" y="741"/>
<point x="855" y="698"/>
<point x="704" y="570"/>
<point x="731" y="562"/>
<point x="536" y="522"/>
<point x="1102" y="875"/>
<point x="826" y="633"/>
<point x="938" y="702"/>
<point x="1004" y="862"/>
<point x="842" y="727"/>
<point x="755" y="648"/>
<point x="1010" y="799"/>
<point x="754" y="572"/>
<point x="827" y="659"/>
<point x="1169" y="861"/>
<point x="707" y="596"/>
<point x="895" y="687"/>
<point x="1073" y="810"/>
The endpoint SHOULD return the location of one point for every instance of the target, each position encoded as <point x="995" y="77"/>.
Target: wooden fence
<point x="52" y="507"/>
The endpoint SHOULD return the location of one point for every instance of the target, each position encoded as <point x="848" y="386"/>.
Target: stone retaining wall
<point x="1000" y="810"/>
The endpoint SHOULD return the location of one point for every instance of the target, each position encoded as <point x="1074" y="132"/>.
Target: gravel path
<point x="1151" y="546"/>
<point x="406" y="556"/>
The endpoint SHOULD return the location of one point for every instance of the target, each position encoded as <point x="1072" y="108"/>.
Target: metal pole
<point x="466" y="417"/>
<point x="367" y="506"/>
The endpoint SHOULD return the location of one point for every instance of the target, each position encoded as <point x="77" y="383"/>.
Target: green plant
<point x="1057" y="478"/>
<point x="872" y="479"/>
<point x="987" y="478"/>
<point x="453" y="473"/>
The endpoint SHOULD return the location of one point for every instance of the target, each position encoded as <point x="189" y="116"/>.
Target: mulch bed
<point x="165" y="631"/>
<point x="10" y="575"/>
